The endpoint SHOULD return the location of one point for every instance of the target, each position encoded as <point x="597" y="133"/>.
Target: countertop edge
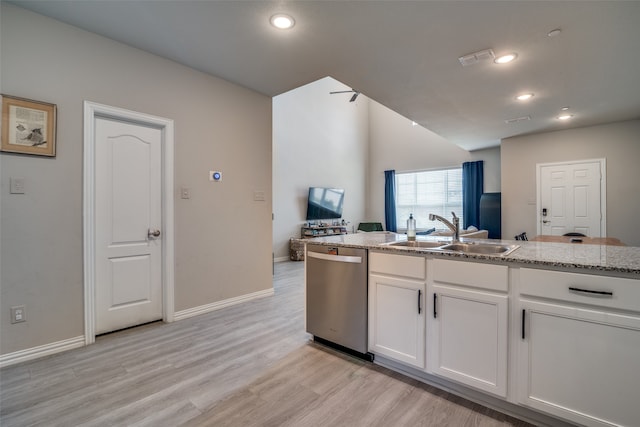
<point x="515" y="259"/>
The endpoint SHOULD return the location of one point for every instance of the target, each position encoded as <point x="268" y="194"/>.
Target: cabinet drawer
<point x="484" y="276"/>
<point x="603" y="291"/>
<point x="398" y="265"/>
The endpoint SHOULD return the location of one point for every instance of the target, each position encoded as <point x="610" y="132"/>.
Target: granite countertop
<point x="574" y="256"/>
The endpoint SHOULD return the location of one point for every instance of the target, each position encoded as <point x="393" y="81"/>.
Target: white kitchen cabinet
<point x="468" y="324"/>
<point x="579" y="347"/>
<point x="396" y="307"/>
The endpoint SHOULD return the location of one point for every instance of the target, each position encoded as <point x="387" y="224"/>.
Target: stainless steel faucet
<point x="455" y="227"/>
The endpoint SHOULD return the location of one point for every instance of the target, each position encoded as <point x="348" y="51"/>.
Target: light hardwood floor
<point x="246" y="365"/>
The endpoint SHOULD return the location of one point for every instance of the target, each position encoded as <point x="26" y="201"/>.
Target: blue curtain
<point x="472" y="189"/>
<point x="390" y="200"/>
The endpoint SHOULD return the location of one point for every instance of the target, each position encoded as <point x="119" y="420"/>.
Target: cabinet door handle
<point x="588" y="291"/>
<point x="419" y="301"/>
<point x="523" y="317"/>
<point x="435" y="305"/>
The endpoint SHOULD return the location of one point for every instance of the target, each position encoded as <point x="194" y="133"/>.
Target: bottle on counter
<point x="411" y="228"/>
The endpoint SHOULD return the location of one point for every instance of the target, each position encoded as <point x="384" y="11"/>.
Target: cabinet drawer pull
<point x="419" y="301"/>
<point x="588" y="291"/>
<point x="523" y="314"/>
<point x="435" y="305"/>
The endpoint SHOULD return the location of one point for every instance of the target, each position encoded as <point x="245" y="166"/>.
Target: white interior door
<point x="128" y="219"/>
<point x="571" y="198"/>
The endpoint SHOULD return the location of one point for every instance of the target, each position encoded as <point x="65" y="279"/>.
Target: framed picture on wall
<point x="28" y="127"/>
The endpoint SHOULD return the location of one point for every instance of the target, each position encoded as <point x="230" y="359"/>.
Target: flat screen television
<point x="324" y="203"/>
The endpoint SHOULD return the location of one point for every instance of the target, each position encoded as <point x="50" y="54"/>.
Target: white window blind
<point x="421" y="193"/>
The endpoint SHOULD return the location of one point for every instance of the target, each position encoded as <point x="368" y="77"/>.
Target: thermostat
<point x="215" y="176"/>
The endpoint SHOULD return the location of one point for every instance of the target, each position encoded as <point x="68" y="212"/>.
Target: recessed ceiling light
<point x="505" y="58"/>
<point x="524" y="97"/>
<point x="564" y="108"/>
<point x="565" y="116"/>
<point x="282" y="21"/>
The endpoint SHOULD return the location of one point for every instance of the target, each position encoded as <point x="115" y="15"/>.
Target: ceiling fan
<point x="353" y="98"/>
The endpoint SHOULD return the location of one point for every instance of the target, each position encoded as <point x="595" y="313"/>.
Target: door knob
<point x="154" y="233"/>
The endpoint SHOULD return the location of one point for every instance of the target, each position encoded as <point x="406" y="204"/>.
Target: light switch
<point x="259" y="196"/>
<point x="185" y="193"/>
<point x="17" y="185"/>
<point x="18" y="314"/>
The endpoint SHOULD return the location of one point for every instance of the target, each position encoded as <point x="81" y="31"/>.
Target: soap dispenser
<point x="411" y="228"/>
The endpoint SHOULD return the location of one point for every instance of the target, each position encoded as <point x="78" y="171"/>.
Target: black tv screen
<point x="324" y="203"/>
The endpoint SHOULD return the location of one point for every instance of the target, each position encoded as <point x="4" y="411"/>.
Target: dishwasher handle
<point x="336" y="258"/>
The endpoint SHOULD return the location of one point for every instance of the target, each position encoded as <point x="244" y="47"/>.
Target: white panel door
<point x="571" y="199"/>
<point x="128" y="217"/>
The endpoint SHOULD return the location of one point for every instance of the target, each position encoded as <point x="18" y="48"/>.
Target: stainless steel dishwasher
<point x="337" y="296"/>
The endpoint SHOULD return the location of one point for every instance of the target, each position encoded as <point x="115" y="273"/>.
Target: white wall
<point x="618" y="143"/>
<point x="223" y="237"/>
<point x="396" y="144"/>
<point x="319" y="140"/>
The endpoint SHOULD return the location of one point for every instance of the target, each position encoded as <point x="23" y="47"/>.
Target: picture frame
<point x="28" y="126"/>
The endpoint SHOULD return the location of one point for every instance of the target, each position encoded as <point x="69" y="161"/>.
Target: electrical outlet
<point x="18" y="314"/>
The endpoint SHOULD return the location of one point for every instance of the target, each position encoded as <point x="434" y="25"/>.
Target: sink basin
<point x="465" y="248"/>
<point x="480" y="248"/>
<point x="416" y="244"/>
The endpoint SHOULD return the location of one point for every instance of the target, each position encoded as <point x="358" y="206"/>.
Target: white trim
<point x="91" y="111"/>
<point x="603" y="191"/>
<point x="196" y="311"/>
<point x="281" y="259"/>
<point x="41" y="351"/>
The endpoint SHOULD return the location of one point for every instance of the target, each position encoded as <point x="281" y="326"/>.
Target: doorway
<point x="571" y="197"/>
<point x="128" y="219"/>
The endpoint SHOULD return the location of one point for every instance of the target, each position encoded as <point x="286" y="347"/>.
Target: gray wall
<point x="396" y="144"/>
<point x="223" y="237"/>
<point x="319" y="140"/>
<point x="491" y="158"/>
<point x="618" y="143"/>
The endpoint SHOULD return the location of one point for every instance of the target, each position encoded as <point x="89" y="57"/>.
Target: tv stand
<point x="308" y="232"/>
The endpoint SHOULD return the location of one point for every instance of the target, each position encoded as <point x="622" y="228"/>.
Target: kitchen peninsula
<point x="545" y="332"/>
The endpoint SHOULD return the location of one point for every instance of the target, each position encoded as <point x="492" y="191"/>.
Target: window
<point x="421" y="193"/>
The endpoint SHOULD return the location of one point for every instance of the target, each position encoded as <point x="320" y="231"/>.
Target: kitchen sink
<point x="465" y="248"/>
<point x="480" y="248"/>
<point x="416" y="244"/>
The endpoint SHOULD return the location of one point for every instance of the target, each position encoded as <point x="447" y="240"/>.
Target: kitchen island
<point x="575" y="256"/>
<point x="547" y="332"/>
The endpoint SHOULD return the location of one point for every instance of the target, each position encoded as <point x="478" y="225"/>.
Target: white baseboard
<point x="281" y="259"/>
<point x="71" y="343"/>
<point x="41" y="351"/>
<point x="196" y="311"/>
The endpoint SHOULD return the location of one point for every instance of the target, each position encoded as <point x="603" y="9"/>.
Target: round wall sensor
<point x="215" y="176"/>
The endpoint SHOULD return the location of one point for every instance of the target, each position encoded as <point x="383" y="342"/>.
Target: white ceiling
<point x="402" y="54"/>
